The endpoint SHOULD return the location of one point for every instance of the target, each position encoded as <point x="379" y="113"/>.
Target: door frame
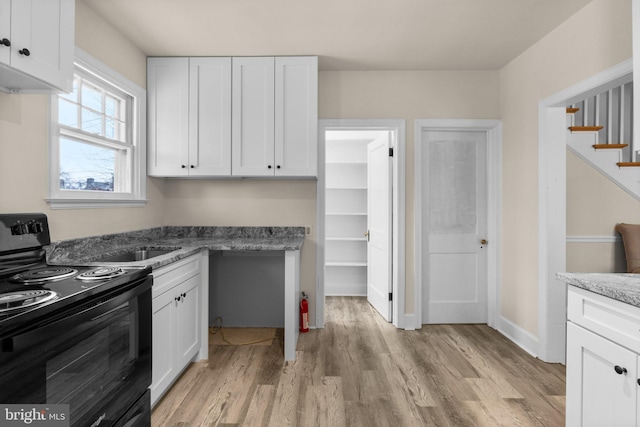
<point x="493" y="129"/>
<point x="398" y="211"/>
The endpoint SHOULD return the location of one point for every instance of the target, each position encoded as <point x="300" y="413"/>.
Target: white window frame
<point x="73" y="199"/>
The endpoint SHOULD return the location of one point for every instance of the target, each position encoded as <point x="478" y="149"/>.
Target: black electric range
<point x="30" y="289"/>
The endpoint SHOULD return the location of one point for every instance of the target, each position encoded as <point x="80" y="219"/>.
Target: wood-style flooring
<point x="361" y="371"/>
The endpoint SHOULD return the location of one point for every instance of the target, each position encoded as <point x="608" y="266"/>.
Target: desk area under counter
<point x="191" y="250"/>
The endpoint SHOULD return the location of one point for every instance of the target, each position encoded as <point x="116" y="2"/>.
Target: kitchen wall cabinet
<point x="603" y="344"/>
<point x="275" y="115"/>
<point x="175" y="321"/>
<point x="37" y="45"/>
<point x="189" y="113"/>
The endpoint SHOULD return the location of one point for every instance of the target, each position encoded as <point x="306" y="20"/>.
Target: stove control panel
<point x="23" y="231"/>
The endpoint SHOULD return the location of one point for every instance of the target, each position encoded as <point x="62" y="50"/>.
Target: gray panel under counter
<point x="246" y="289"/>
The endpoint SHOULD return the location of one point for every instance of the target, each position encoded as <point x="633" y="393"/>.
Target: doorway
<point x="343" y="239"/>
<point x="457" y="217"/>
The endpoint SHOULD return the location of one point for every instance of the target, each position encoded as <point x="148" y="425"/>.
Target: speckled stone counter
<point x="621" y="287"/>
<point x="184" y="240"/>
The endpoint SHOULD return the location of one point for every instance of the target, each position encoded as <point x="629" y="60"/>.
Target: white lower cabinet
<point x="603" y="337"/>
<point x="175" y="321"/>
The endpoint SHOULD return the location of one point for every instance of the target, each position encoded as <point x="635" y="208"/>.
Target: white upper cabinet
<point x="275" y="116"/>
<point x="296" y="116"/>
<point x="36" y="45"/>
<point x="253" y="116"/>
<point x="189" y="117"/>
<point x="243" y="117"/>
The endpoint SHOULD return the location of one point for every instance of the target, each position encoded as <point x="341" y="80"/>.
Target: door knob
<point x="483" y="242"/>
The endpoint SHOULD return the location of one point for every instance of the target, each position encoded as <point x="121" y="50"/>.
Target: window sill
<point x="95" y="203"/>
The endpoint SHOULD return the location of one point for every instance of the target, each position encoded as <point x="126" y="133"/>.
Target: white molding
<point x="493" y="128"/>
<point x="525" y="340"/>
<point x="399" y="203"/>
<point x="594" y="239"/>
<point x="552" y="198"/>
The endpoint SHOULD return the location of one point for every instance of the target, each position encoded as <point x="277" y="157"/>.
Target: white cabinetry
<point x="176" y="320"/>
<point x="189" y="114"/>
<point x="603" y="343"/>
<point x="346" y="217"/>
<point x="275" y="115"/>
<point x="36" y="45"/>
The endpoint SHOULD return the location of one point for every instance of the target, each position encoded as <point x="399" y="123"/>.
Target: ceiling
<point x="345" y="34"/>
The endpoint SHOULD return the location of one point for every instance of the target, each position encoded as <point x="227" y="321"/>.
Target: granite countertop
<point x="623" y="287"/>
<point x="182" y="241"/>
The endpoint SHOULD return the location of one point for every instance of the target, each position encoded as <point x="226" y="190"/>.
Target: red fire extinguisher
<point x="304" y="313"/>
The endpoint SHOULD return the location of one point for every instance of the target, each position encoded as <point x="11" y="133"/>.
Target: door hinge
<point x="390" y="151"/>
<point x="390" y="296"/>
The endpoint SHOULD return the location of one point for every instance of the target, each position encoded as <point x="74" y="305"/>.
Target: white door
<point x="454" y="223"/>
<point x="379" y="222"/>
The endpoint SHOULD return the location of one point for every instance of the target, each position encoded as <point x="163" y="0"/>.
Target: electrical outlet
<point x="307" y="231"/>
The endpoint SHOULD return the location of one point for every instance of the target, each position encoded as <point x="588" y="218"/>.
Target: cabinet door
<point x="168" y="116"/>
<point x="210" y="116"/>
<point x="296" y="116"/>
<point x="601" y="381"/>
<point x="188" y="321"/>
<point x="5" y="31"/>
<point x="253" y="117"/>
<point x="44" y="28"/>
<point x="163" y="344"/>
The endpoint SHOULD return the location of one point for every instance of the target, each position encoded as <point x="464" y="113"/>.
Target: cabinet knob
<point x="182" y="166"/>
<point x="278" y="167"/>
<point x="5" y="42"/>
<point x="184" y="295"/>
<point x="620" y="370"/>
<point x="177" y="298"/>
<point x="269" y="166"/>
<point x="24" y="52"/>
<point x="192" y="167"/>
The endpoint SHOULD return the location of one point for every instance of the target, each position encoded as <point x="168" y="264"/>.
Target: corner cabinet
<point x="175" y="321"/>
<point x="603" y="347"/>
<point x="189" y="112"/>
<point x="36" y="45"/>
<point x="275" y="115"/>
<point x="223" y="117"/>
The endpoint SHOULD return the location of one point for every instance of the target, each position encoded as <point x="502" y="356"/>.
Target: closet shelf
<point x="345" y="264"/>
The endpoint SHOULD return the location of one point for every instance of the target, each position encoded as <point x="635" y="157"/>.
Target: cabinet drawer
<point x="169" y="276"/>
<point x="617" y="321"/>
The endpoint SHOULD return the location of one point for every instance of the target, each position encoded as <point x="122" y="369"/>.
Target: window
<point x="98" y="139"/>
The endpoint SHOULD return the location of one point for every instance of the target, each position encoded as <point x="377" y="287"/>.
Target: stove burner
<point x="22" y="299"/>
<point x="101" y="273"/>
<point x="46" y="274"/>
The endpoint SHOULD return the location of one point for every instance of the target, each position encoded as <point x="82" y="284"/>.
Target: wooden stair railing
<point x="573" y="110"/>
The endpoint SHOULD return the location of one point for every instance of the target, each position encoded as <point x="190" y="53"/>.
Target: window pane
<point x="111" y="105"/>
<point x="91" y="97"/>
<point x="86" y="166"/>
<point x="67" y="113"/>
<point x="73" y="96"/>
<point x="91" y="121"/>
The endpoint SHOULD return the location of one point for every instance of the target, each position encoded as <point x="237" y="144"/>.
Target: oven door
<point x="95" y="356"/>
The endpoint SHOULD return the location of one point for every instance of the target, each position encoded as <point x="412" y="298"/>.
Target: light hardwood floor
<point x="361" y="371"/>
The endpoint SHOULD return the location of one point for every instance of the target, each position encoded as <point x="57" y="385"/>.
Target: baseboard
<point x="519" y="336"/>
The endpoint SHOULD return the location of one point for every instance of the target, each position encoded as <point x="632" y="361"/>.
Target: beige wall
<point x="594" y="39"/>
<point x="24" y="145"/>
<point x="409" y="95"/>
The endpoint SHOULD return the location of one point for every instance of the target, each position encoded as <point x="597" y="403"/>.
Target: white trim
<point x="399" y="168"/>
<point x="525" y="340"/>
<point x="493" y="128"/>
<point x="594" y="239"/>
<point x="61" y="199"/>
<point x="552" y="199"/>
